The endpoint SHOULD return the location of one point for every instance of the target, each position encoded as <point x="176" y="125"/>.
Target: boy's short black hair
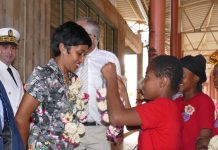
<point x="170" y="67"/>
<point x="70" y="34"/>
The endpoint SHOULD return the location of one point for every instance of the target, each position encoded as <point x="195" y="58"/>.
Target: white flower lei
<point x="114" y="134"/>
<point x="74" y="128"/>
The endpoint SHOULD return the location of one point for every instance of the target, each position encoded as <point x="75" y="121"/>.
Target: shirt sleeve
<point x="36" y="85"/>
<point x="206" y="113"/>
<point x="113" y="58"/>
<point x="149" y="114"/>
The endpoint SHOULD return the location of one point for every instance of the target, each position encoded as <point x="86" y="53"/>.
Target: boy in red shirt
<point x="159" y="119"/>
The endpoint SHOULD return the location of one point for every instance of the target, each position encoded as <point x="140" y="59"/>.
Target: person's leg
<point x="94" y="139"/>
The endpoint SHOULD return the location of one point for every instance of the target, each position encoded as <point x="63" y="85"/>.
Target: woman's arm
<point x="203" y="139"/>
<point x="26" y="108"/>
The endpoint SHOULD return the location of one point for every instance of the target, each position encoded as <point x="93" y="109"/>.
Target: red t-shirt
<point x="161" y="126"/>
<point x="198" y="113"/>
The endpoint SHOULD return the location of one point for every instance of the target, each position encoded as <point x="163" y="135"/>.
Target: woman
<point x="45" y="103"/>
<point x="196" y="107"/>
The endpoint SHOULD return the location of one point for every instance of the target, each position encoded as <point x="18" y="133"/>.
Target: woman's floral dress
<point x="54" y="124"/>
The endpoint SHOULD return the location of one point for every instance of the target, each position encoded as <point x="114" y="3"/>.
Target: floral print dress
<point x="54" y="124"/>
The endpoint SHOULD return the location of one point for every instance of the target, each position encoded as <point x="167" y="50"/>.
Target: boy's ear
<point x="164" y="81"/>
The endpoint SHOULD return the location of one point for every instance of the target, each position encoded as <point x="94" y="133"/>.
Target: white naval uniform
<point x="14" y="92"/>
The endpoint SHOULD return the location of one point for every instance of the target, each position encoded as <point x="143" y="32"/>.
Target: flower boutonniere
<point x="188" y="111"/>
<point x="73" y="127"/>
<point x="113" y="133"/>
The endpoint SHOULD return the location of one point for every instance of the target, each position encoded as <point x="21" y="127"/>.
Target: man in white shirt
<point x="95" y="136"/>
<point x="9" y="76"/>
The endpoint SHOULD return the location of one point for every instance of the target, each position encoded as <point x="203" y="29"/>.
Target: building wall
<point x="126" y="38"/>
<point x="32" y="18"/>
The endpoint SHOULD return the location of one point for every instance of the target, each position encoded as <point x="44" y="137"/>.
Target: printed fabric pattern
<point x="53" y="124"/>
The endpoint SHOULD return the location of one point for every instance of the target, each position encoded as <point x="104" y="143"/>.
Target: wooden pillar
<point x="140" y="66"/>
<point x="32" y="19"/>
<point x="180" y="53"/>
<point x="157" y="28"/>
<point x="174" y="38"/>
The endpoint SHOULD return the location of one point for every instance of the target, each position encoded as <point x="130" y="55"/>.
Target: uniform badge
<point x="10" y="33"/>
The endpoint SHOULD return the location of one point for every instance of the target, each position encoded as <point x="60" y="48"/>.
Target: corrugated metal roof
<point x="199" y="23"/>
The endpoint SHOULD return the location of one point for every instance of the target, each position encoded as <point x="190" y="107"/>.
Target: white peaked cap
<point x="9" y="36"/>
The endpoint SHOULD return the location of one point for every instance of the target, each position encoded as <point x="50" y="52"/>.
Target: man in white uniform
<point x="9" y="76"/>
<point x="95" y="136"/>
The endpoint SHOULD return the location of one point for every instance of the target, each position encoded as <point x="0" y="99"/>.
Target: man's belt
<point x="91" y="123"/>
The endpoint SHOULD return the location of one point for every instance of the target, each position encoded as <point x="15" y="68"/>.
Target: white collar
<point x="93" y="52"/>
<point x="3" y="65"/>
